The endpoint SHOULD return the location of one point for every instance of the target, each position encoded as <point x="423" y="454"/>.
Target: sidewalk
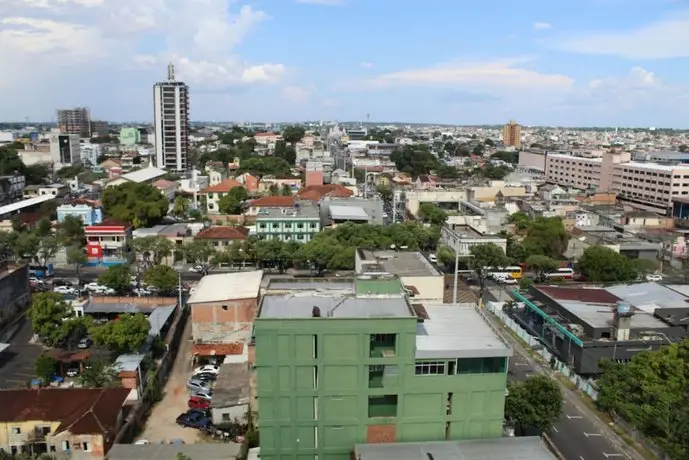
<point x="571" y="396"/>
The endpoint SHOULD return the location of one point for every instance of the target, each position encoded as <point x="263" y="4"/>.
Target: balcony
<point x="382" y="376"/>
<point x="383" y="346"/>
<point x="382" y="406"/>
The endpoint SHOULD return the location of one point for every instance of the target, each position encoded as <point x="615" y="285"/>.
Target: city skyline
<point x="583" y="63"/>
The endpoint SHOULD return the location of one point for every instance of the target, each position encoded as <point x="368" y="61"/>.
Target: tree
<point x="26" y="246"/>
<point x="293" y="134"/>
<point x="495" y="172"/>
<point x="385" y="192"/>
<point x="446" y="256"/>
<point x="414" y="160"/>
<point x="535" y="403"/>
<point x="163" y="277"/>
<point x="521" y="220"/>
<point x="70" y="231"/>
<point x="645" y="266"/>
<point x="152" y="249"/>
<point x="273" y="190"/>
<point x="600" y="264"/>
<point x="124" y="335"/>
<point x="650" y="393"/>
<point x="231" y="203"/>
<point x="47" y="313"/>
<point x="197" y="251"/>
<point x="489" y="142"/>
<point x="44" y="228"/>
<point x="97" y="374"/>
<point x="47" y="248"/>
<point x="286" y="190"/>
<point x="547" y="236"/>
<point x="46" y="368"/>
<point x="180" y="206"/>
<point x="117" y="277"/>
<point x="76" y="256"/>
<point x="431" y="213"/>
<point x="541" y="265"/>
<point x="487" y="256"/>
<point x="139" y="203"/>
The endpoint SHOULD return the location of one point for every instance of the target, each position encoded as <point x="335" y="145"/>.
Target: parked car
<point x="205" y="376"/>
<point x="205" y="394"/>
<point x="197" y="402"/>
<point x="65" y="290"/>
<point x="93" y="286"/>
<point x="654" y="277"/>
<point x="212" y="368"/>
<point x="194" y="419"/>
<point x="104" y="290"/>
<point x="72" y="372"/>
<point x="198" y="385"/>
<point x="84" y="343"/>
<point x="198" y="268"/>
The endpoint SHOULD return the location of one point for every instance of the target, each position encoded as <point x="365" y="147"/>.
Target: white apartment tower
<point x="171" y="122"/>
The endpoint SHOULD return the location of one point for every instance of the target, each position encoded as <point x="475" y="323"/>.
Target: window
<point x="312" y="225"/>
<point x="16" y="430"/>
<point x="382" y="406"/>
<point x="225" y="307"/>
<point x="430" y="368"/>
<point x="225" y="417"/>
<point x="86" y="447"/>
<point x="261" y="225"/>
<point x="65" y="445"/>
<point x="481" y="365"/>
<point x="383" y="345"/>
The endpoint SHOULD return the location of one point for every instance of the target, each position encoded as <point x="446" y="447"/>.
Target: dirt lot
<point x="161" y="424"/>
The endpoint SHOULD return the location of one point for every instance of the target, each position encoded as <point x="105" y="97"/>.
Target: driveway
<point x="18" y="362"/>
<point x="161" y="424"/>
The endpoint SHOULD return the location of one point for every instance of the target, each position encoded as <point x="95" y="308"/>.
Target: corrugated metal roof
<point x="227" y="286"/>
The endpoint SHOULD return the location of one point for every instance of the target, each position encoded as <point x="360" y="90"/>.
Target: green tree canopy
<point x="77" y="256"/>
<point x="507" y="157"/>
<point x="163" y="277"/>
<point x="541" y="264"/>
<point x="141" y="204"/>
<point x="53" y="320"/>
<point x="152" y="249"/>
<point x="286" y="152"/>
<point x="650" y="392"/>
<point x="124" y="335"/>
<point x="265" y="166"/>
<point x="117" y="277"/>
<point x="601" y="264"/>
<point x="431" y="213"/>
<point x="97" y="374"/>
<point x="180" y="206"/>
<point x="492" y="172"/>
<point x="46" y="367"/>
<point x="11" y="164"/>
<point x="487" y="255"/>
<point x="293" y="134"/>
<point x="231" y="203"/>
<point x="197" y="251"/>
<point x="71" y="231"/>
<point x="414" y="160"/>
<point x="521" y="220"/>
<point x="547" y="236"/>
<point x="533" y="403"/>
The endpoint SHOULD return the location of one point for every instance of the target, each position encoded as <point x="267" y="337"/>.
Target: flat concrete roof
<point x="648" y="297"/>
<point x="507" y="448"/>
<point x="401" y="263"/>
<point x="457" y="331"/>
<point x="301" y="211"/>
<point x="312" y="284"/>
<point x="232" y="386"/>
<point x="227" y="286"/>
<point x="333" y="305"/>
<point x="601" y="315"/>
<point x="338" y="211"/>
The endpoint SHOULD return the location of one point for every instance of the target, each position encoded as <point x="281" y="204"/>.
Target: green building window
<point x="383" y="345"/>
<point x="481" y="365"/>
<point x="377" y="375"/>
<point x="312" y="225"/>
<point x="261" y="225"/>
<point x="430" y="368"/>
<point x="382" y="406"/>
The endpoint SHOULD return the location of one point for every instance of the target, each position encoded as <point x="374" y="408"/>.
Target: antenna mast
<point x="171" y="72"/>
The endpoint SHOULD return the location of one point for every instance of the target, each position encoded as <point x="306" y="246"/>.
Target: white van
<point x="433" y="258"/>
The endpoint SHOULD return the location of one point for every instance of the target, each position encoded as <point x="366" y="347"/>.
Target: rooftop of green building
<point x="303" y="304"/>
<point x="301" y="210"/>
<point x="508" y="448"/>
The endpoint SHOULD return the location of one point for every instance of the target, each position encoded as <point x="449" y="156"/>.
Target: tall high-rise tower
<point x="171" y="122"/>
<point x="512" y="135"/>
<point x="74" y="121"/>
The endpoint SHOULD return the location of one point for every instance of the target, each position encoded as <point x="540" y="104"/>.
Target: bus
<point x="515" y="272"/>
<point x="41" y="271"/>
<point x="563" y="273"/>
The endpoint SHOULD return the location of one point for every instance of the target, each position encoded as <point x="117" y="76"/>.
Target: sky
<point x="565" y="62"/>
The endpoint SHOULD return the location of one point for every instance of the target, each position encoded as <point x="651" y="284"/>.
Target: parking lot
<point x="161" y="424"/>
<point x="17" y="363"/>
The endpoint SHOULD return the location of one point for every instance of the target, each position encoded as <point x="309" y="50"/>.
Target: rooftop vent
<point x="316" y="312"/>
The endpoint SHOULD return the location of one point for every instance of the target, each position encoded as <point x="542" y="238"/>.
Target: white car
<point x="93" y="286"/>
<point x="654" y="277"/>
<point x="210" y="368"/>
<point x="65" y="290"/>
<point x="197" y="268"/>
<point x="104" y="290"/>
<point x="508" y="280"/>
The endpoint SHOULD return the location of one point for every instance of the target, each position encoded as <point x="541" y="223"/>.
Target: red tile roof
<point x="164" y="184"/>
<point x="111" y="222"/>
<point x="223" y="233"/>
<point x="316" y="192"/>
<point x="580" y="294"/>
<point x="217" y="349"/>
<point x="274" y="201"/>
<point x="223" y="187"/>
<point x="79" y="410"/>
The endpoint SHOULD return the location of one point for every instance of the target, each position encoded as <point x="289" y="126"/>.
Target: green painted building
<point x="130" y="136"/>
<point x="346" y="362"/>
<point x="299" y="223"/>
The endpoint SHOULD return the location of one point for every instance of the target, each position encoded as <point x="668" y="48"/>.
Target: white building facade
<point x="171" y="123"/>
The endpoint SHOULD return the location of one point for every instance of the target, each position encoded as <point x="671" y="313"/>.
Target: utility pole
<point x="394" y="207"/>
<point x="179" y="289"/>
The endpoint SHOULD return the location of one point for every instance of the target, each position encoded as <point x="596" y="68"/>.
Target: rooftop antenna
<point x="171" y="72"/>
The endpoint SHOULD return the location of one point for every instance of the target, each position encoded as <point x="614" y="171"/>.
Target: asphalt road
<point x="575" y="435"/>
<point x="17" y="363"/>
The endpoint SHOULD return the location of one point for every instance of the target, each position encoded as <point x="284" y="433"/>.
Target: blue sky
<point x="570" y="62"/>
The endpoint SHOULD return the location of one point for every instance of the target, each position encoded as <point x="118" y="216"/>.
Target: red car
<point x="196" y="402"/>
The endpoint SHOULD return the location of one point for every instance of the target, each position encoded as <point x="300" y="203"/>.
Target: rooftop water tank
<point x="624" y="308"/>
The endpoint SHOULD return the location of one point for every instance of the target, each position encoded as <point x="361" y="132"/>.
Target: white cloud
<point x="43" y="44"/>
<point x="366" y="65"/>
<point x="297" y="94"/>
<point x="658" y="40"/>
<point x="542" y="26"/>
<point x="323" y="2"/>
<point x="496" y="74"/>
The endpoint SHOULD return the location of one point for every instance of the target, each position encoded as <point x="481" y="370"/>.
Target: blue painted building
<point x="91" y="213"/>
